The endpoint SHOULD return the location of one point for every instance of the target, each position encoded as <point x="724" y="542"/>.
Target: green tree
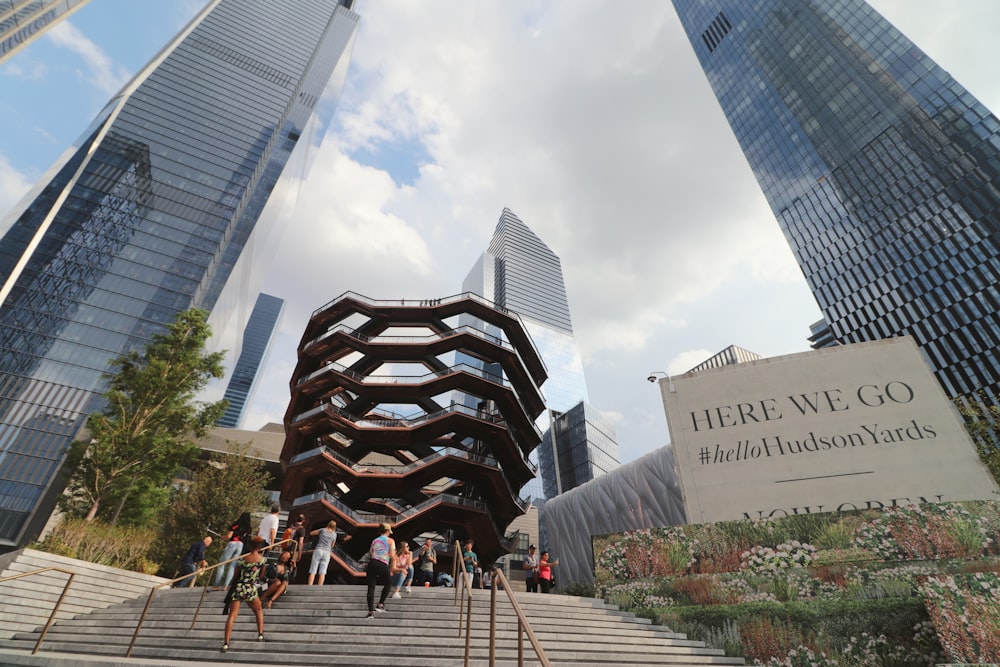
<point x="982" y="420"/>
<point x="145" y="431"/>
<point x="223" y="487"/>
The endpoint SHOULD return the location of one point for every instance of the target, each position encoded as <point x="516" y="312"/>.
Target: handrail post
<point x="149" y="601"/>
<point x="535" y="644"/>
<point x="55" y="608"/>
<point x="468" y="630"/>
<point x="52" y="616"/>
<point x="465" y="610"/>
<point x="201" y="600"/>
<point x="493" y="625"/>
<point x="142" y="617"/>
<point x="461" y="611"/>
<point x="454" y="568"/>
<point x="208" y="580"/>
<point x="520" y="643"/>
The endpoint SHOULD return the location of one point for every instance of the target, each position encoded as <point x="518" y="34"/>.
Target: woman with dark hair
<point x="244" y="589"/>
<point x="545" y="571"/>
<point x="381" y="553"/>
<point x="238" y="532"/>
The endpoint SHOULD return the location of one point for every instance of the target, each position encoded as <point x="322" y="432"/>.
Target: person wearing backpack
<point x="295" y="531"/>
<point x="237" y="539"/>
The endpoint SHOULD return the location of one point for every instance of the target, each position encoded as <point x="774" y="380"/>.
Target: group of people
<point x="249" y="579"/>
<point x="396" y="570"/>
<point x="538" y="571"/>
<point x="242" y="576"/>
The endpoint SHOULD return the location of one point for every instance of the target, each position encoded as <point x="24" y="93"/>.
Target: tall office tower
<point x="148" y="216"/>
<point x="256" y="341"/>
<point x="580" y="445"/>
<point x="522" y="274"/>
<point x="883" y="172"/>
<point x="21" y="21"/>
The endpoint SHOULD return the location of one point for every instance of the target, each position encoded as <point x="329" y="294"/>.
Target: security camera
<point x="652" y="378"/>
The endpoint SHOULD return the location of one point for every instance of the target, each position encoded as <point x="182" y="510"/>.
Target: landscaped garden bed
<point x="914" y="585"/>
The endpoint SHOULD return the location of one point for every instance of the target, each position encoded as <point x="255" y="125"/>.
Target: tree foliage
<point x="144" y="433"/>
<point x="223" y="487"/>
<point x="982" y="420"/>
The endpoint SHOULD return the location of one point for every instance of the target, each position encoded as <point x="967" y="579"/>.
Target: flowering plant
<point x="941" y="530"/>
<point x="646" y="553"/>
<point x="768" y="560"/>
<point x="800" y="657"/>
<point x="965" y="610"/>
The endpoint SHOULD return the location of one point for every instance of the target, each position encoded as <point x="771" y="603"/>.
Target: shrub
<point x="965" y="610"/>
<point x="647" y="553"/>
<point x="918" y="532"/>
<point x="801" y="657"/>
<point x="580" y="589"/>
<point x="827" y="619"/>
<point x="704" y="589"/>
<point x="835" y="536"/>
<point x="125" y="547"/>
<point x="764" y="638"/>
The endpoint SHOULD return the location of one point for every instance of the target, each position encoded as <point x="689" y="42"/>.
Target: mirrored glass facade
<point x="147" y="217"/>
<point x="22" y="21"/>
<point x="580" y="445"/>
<point x="256" y="341"/>
<point x="883" y="172"/>
<point x="520" y="272"/>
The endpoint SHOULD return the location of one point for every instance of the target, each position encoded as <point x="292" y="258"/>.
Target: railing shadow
<point x="62" y="596"/>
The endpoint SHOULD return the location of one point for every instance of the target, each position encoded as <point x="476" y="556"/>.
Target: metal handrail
<point x="62" y="596"/>
<point x="194" y="619"/>
<point x="466" y="589"/>
<point x="366" y="469"/>
<point x="523" y="626"/>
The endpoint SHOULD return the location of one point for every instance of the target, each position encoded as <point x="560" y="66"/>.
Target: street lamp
<point x="654" y="375"/>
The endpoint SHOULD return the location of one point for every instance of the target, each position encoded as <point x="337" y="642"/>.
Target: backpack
<point x="289" y="533"/>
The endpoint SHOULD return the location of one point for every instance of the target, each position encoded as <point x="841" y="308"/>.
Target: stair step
<point x="327" y="625"/>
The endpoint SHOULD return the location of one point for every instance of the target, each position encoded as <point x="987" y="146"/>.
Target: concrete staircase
<point x="327" y="626"/>
<point x="28" y="601"/>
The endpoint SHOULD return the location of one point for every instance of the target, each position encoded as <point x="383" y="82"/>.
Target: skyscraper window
<point x="882" y="170"/>
<point x="147" y="217"/>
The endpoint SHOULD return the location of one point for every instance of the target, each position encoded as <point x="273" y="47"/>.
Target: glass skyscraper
<point x="520" y="272"/>
<point x="148" y="216"/>
<point x="883" y="172"/>
<point x="21" y="21"/>
<point x="256" y="341"/>
<point x="580" y="445"/>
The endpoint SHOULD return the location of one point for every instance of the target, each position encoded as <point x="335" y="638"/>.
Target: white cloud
<point x="604" y="137"/>
<point x="103" y="73"/>
<point x="593" y="121"/>
<point x="685" y="361"/>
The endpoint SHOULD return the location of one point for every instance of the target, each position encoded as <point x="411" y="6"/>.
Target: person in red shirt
<point x="545" y="571"/>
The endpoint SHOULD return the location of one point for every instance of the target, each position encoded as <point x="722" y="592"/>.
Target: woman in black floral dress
<point x="244" y="589"/>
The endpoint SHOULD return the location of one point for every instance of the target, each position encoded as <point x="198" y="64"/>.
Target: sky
<point x="590" y="119"/>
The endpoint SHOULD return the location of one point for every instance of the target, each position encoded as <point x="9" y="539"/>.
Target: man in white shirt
<point x="531" y="570"/>
<point x="269" y="525"/>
